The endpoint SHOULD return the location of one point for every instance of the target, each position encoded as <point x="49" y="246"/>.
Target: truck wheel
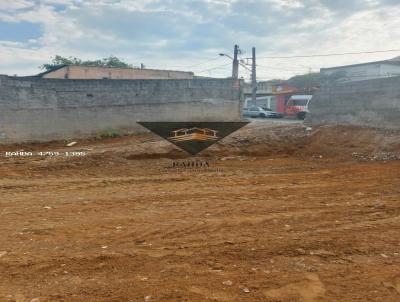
<point x="262" y="115"/>
<point x="301" y="115"/>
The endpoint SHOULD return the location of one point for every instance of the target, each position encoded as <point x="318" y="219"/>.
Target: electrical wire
<point x="284" y="69"/>
<point x="199" y="65"/>
<point x="195" y="65"/>
<point x="217" y="67"/>
<point x="327" y="55"/>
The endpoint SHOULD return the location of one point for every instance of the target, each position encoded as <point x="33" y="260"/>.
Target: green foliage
<point x="275" y="81"/>
<point x="111" y="61"/>
<point x="306" y="81"/>
<point x="108" y="134"/>
<point x="314" y="80"/>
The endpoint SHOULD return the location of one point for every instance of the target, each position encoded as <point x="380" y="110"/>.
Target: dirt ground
<point x="282" y="213"/>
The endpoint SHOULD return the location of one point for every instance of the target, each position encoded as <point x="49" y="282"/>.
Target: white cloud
<point x="11" y="5"/>
<point x="191" y="33"/>
<point x="16" y="59"/>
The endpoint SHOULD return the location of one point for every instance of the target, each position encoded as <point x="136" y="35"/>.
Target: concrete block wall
<point x="369" y="103"/>
<point x="35" y="109"/>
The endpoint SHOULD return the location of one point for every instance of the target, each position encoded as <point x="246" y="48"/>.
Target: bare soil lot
<point x="282" y="214"/>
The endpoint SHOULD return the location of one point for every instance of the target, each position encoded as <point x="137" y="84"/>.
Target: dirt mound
<point x="334" y="142"/>
<point x="256" y="140"/>
<point x="355" y="142"/>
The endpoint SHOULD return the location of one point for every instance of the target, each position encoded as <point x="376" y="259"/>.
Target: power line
<point x="282" y="69"/>
<point x="201" y="64"/>
<point x="245" y="67"/>
<point x="329" y="54"/>
<point x="195" y="65"/>
<point x="247" y="70"/>
<point x="217" y="67"/>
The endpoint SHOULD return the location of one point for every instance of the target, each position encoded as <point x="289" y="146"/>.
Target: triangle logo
<point x="193" y="137"/>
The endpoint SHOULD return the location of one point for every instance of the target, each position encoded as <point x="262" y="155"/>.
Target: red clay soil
<point x="281" y="214"/>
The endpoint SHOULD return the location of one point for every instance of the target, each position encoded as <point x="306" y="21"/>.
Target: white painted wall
<point x="365" y="72"/>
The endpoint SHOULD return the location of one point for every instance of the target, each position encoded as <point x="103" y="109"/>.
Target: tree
<point x="306" y="81"/>
<point x="111" y="61"/>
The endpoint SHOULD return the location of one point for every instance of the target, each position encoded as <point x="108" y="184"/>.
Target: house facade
<point x="75" y="72"/>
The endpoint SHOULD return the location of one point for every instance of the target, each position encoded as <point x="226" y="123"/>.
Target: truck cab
<point x="297" y="106"/>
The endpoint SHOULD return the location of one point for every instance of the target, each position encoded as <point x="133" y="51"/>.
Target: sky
<point x="189" y="34"/>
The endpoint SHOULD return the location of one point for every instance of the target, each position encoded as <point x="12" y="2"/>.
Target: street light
<point x="230" y="57"/>
<point x="224" y="54"/>
<point x="235" y="69"/>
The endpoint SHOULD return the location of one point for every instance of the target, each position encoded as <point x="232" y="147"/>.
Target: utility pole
<point x="235" y="63"/>
<point x="253" y="78"/>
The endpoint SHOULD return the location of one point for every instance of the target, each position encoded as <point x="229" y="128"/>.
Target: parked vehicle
<point x="262" y="112"/>
<point x="297" y="105"/>
<point x="268" y="101"/>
